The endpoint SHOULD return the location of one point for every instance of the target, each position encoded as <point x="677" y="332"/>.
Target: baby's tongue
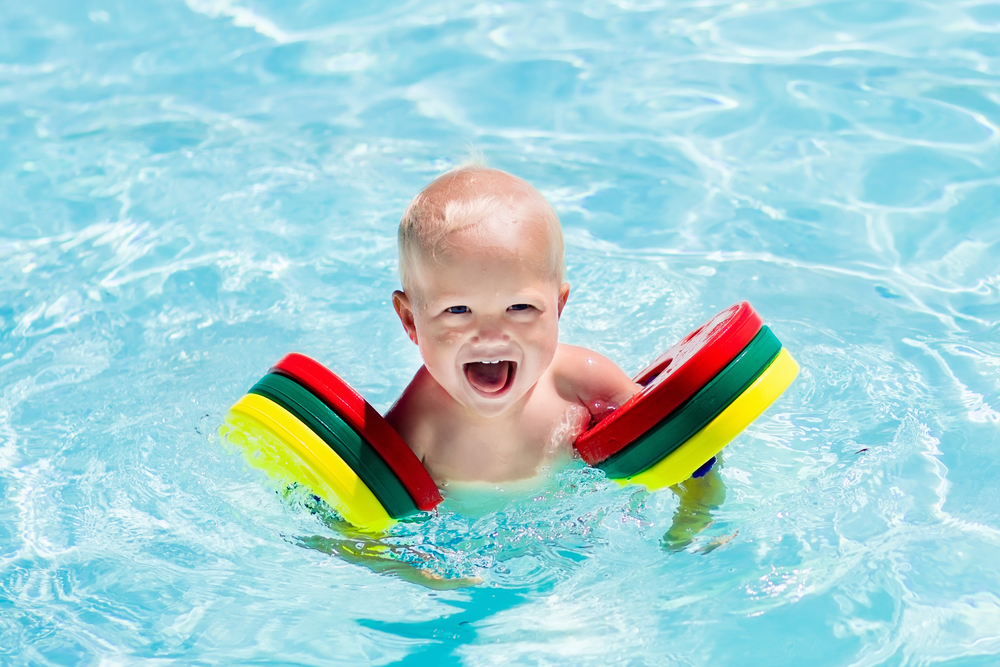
<point x="489" y="378"/>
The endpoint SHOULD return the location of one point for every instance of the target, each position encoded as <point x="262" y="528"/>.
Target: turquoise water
<point x="190" y="190"/>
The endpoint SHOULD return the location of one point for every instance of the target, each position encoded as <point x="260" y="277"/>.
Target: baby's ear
<point x="401" y="303"/>
<point x="563" y="295"/>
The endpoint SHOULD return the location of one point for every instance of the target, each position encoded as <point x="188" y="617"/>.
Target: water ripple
<point x="193" y="189"/>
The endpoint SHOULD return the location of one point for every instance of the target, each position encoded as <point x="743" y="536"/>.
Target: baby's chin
<point x="489" y="407"/>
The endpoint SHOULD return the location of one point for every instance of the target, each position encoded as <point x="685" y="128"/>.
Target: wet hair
<point x="461" y="199"/>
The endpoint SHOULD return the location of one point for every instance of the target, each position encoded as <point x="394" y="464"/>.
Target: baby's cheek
<point x="546" y="340"/>
<point x="448" y="338"/>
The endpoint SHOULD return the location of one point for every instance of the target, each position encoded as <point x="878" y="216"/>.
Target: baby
<point x="481" y="264"/>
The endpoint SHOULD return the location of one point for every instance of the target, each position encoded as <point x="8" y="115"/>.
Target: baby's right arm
<point x="412" y="415"/>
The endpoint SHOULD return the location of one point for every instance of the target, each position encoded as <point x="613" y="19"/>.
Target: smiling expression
<point x="484" y="306"/>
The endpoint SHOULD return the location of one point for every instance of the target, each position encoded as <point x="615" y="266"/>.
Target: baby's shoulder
<point x="582" y="372"/>
<point x="576" y="360"/>
<point x="590" y="379"/>
<point x="573" y="359"/>
<point x="416" y="413"/>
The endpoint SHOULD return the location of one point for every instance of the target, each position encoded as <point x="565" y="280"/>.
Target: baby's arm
<point x="698" y="498"/>
<point x="597" y="383"/>
<point x="592" y="380"/>
<point x="361" y="548"/>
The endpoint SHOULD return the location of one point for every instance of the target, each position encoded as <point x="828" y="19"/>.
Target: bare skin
<point x="699" y="497"/>
<point x="498" y="396"/>
<point x="456" y="443"/>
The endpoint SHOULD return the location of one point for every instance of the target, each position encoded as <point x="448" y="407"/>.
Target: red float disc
<point x="672" y="379"/>
<point x="367" y="422"/>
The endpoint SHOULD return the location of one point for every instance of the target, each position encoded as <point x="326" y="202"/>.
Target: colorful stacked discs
<point x="301" y="423"/>
<point x="366" y="421"/>
<point x="697" y="396"/>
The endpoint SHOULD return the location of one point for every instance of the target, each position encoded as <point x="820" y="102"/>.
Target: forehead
<point x="516" y="238"/>
<point x="518" y="230"/>
<point x="504" y="255"/>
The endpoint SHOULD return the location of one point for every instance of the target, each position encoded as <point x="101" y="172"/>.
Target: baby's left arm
<point x="591" y="379"/>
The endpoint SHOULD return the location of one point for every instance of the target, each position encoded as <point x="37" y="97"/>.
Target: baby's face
<point x="484" y="311"/>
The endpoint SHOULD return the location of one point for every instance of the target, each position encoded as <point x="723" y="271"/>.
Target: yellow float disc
<point x="710" y="440"/>
<point x="286" y="449"/>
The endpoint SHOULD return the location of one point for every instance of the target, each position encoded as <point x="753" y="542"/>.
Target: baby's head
<point x="481" y="263"/>
<point x="474" y="204"/>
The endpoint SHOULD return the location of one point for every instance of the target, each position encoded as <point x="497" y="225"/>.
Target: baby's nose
<point x="491" y="332"/>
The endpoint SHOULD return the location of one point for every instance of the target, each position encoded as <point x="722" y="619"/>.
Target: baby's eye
<point x="457" y="310"/>
<point x="520" y="306"/>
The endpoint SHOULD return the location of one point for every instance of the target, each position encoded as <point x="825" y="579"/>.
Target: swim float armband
<point x="696" y="397"/>
<point x="302" y="424"/>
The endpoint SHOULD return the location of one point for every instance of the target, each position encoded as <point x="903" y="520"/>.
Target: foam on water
<point x="190" y="190"/>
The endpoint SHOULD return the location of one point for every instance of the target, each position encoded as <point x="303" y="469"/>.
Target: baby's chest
<point x="509" y="448"/>
<point x="546" y="422"/>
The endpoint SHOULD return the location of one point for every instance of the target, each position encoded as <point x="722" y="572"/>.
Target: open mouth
<point x="490" y="378"/>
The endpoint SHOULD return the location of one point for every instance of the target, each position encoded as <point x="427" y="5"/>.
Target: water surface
<point x="191" y="190"/>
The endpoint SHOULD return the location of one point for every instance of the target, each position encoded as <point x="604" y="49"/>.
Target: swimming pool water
<point x="191" y="189"/>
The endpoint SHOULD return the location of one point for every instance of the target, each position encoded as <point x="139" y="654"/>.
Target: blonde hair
<point x="467" y="201"/>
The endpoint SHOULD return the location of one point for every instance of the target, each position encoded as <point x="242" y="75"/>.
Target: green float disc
<point x="357" y="453"/>
<point x="677" y="427"/>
